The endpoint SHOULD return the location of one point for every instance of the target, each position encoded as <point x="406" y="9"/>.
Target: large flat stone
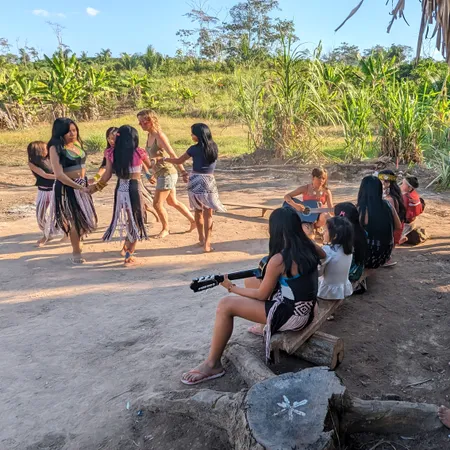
<point x="290" y="411"/>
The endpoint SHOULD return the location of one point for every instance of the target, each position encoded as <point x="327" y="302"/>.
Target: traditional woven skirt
<point x="377" y="253"/>
<point x="284" y="314"/>
<point x="129" y="213"/>
<point x="43" y="205"/>
<point x="71" y="208"/>
<point x="203" y="193"/>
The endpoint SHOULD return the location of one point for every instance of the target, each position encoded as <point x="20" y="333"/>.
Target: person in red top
<point x="413" y="205"/>
<point x="317" y="190"/>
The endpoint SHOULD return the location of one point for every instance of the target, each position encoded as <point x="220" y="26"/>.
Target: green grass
<point x="231" y="138"/>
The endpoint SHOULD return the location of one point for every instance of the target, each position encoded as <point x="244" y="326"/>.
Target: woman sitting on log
<point x="292" y="269"/>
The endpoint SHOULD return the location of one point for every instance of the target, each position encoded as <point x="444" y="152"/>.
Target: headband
<point x="387" y="177"/>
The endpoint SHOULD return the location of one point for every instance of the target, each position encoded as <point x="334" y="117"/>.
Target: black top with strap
<point x="44" y="184"/>
<point x="70" y="161"/>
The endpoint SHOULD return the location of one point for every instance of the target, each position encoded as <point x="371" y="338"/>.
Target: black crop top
<point x="70" y="161"/>
<point x="42" y="182"/>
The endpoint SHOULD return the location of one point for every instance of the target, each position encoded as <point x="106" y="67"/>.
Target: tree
<point x="251" y="23"/>
<point x="206" y="39"/>
<point x="402" y="53"/>
<point x="151" y="59"/>
<point x="104" y="55"/>
<point x="345" y="54"/>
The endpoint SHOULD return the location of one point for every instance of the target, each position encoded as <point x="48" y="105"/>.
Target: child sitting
<point x="350" y="212"/>
<point x="413" y="203"/>
<point x="334" y="270"/>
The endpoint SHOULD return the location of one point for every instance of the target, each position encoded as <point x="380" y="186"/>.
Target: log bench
<point x="292" y="341"/>
<point x="263" y="208"/>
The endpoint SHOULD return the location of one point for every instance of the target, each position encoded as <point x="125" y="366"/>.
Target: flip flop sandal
<point x="256" y="330"/>
<point x="202" y="380"/>
<point x="389" y="264"/>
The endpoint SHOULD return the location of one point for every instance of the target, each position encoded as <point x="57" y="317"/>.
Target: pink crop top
<point x="136" y="164"/>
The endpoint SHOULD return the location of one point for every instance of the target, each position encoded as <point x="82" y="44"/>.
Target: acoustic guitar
<point x="312" y="210"/>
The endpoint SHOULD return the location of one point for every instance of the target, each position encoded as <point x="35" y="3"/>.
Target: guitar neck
<point x="244" y="274"/>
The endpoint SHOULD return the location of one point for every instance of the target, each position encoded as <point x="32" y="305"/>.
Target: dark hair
<point x="380" y="221"/>
<point x="288" y="238"/>
<point x="396" y="194"/>
<point x="413" y="181"/>
<point x="205" y="140"/>
<point x="319" y="173"/>
<point x="350" y="212"/>
<point x="341" y="233"/>
<point x="61" y="127"/>
<point x="108" y="132"/>
<point x="127" y="141"/>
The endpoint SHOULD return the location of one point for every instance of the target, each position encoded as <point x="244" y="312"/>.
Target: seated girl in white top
<point x="333" y="282"/>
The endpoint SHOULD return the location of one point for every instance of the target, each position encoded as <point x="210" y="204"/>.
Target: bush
<point x="95" y="143"/>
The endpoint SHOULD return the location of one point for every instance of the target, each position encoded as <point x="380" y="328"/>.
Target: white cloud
<point x="92" y="12"/>
<point x="41" y="12"/>
<point x="62" y="15"/>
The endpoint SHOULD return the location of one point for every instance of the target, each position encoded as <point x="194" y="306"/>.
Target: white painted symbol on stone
<point x="291" y="409"/>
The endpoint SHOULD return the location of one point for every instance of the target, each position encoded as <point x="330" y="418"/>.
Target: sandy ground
<point x="80" y="344"/>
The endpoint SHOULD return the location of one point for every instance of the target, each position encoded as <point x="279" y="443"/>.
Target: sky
<point x="90" y="25"/>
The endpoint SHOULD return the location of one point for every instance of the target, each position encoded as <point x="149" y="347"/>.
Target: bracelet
<point x="148" y="176"/>
<point x="97" y="177"/>
<point x="100" y="185"/>
<point x="231" y="286"/>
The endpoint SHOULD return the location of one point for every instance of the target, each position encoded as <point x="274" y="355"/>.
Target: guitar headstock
<point x="203" y="283"/>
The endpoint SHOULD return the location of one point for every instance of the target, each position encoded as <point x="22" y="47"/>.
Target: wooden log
<point x="384" y="417"/>
<point x="290" y="341"/>
<point x="263" y="208"/>
<point x="322" y="349"/>
<point x="251" y="368"/>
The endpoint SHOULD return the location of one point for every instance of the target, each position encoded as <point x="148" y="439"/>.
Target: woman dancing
<point x="39" y="164"/>
<point x="110" y="143"/>
<point x="126" y="160"/>
<point x="379" y="219"/>
<point x="165" y="174"/>
<point x="318" y="191"/>
<point x="74" y="211"/>
<point x="202" y="188"/>
<point x="292" y="266"/>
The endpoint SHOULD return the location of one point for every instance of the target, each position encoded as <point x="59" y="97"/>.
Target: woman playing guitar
<point x="318" y="191"/>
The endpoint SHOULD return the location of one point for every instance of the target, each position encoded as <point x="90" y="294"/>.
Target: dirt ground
<point x="83" y="347"/>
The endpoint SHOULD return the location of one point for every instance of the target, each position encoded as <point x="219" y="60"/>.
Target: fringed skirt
<point x="44" y="204"/>
<point x="71" y="208"/>
<point x="129" y="213"/>
<point x="203" y="193"/>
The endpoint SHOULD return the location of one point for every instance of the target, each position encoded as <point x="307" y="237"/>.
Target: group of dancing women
<point x="65" y="205"/>
<point x="355" y="237"/>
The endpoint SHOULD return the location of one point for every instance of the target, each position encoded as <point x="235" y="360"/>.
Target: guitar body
<point x="305" y="217"/>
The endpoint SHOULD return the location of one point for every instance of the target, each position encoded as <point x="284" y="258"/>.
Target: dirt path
<point x="79" y="343"/>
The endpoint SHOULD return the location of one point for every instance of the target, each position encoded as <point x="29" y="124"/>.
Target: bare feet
<point x="444" y="415"/>
<point x="163" y="234"/>
<point x="41" y="242"/>
<point x="257" y="329"/>
<point x="207" y="248"/>
<point x="129" y="259"/>
<point x="193" y="227"/>
<point x="203" y="372"/>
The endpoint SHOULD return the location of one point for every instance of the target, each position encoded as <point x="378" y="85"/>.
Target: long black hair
<point x="61" y="127"/>
<point x="205" y="140"/>
<point x="108" y="132"/>
<point x="395" y="193"/>
<point x="288" y="238"/>
<point x="127" y="141"/>
<point x="340" y="231"/>
<point x="350" y="212"/>
<point x="380" y="223"/>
